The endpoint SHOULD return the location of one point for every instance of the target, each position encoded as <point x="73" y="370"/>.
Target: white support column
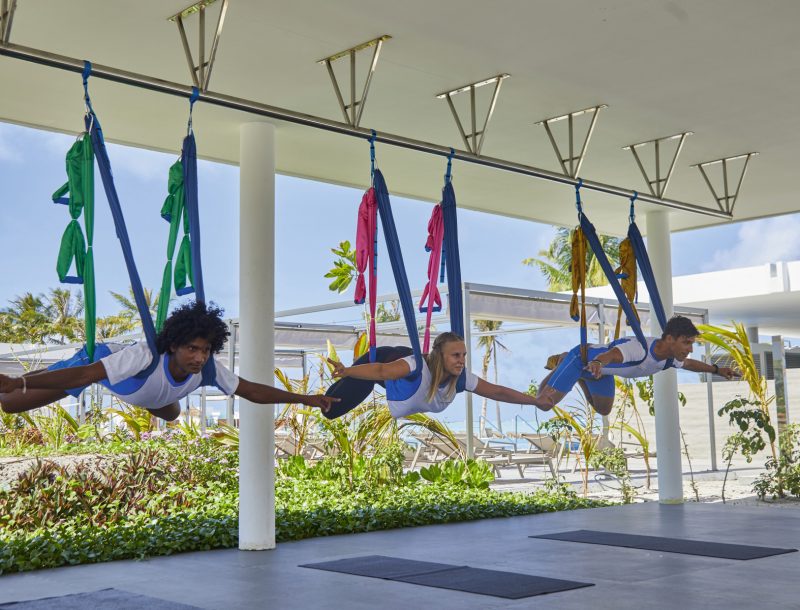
<point x="665" y="383"/>
<point x="469" y="425"/>
<point x="257" y="338"/>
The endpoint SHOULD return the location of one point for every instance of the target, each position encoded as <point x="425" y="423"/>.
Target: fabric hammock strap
<point x="104" y="165"/>
<point x="367" y="257"/>
<point x="180" y="207"/>
<point x="602" y="259"/>
<point x="637" y="243"/>
<point x="577" y="306"/>
<point x="398" y="269"/>
<point x="626" y="272"/>
<point x="431" y="298"/>
<point x="80" y="187"/>
<point x="455" y="295"/>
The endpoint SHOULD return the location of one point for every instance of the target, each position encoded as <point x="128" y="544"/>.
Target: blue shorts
<point x="80" y="358"/>
<point x="571" y="370"/>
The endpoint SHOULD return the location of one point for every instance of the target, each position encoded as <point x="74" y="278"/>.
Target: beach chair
<point x="501" y="454"/>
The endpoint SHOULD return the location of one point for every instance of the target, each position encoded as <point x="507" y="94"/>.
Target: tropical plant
<point x="490" y="343"/>
<point x="733" y="342"/>
<point x="580" y="426"/>
<point x="752" y="421"/>
<point x="783" y="475"/>
<point x="555" y="262"/>
<point x="344" y="269"/>
<point x="137" y="420"/>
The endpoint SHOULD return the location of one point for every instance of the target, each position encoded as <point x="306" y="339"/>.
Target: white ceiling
<point x="724" y="69"/>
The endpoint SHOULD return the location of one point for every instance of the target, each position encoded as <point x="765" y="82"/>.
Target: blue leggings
<point x="571" y="370"/>
<point x="352" y="392"/>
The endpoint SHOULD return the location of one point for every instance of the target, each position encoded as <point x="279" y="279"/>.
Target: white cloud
<point x="758" y="242"/>
<point x="143" y="164"/>
<point x="8" y="151"/>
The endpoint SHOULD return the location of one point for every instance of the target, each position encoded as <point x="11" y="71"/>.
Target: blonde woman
<point x="433" y="390"/>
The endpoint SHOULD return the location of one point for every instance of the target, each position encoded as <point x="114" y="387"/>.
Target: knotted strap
<point x="431" y="291"/>
<point x="366" y="256"/>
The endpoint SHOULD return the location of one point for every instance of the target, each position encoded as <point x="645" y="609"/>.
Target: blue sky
<point x="492" y="247"/>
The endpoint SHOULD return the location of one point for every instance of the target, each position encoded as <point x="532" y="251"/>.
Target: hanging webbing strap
<point x="577" y="305"/>
<point x="602" y="259"/>
<point x="80" y="186"/>
<point x="366" y="257"/>
<point x="104" y="166"/>
<point x="455" y="296"/>
<point x="626" y="272"/>
<point x="637" y="242"/>
<point x="431" y="293"/>
<point x="399" y="271"/>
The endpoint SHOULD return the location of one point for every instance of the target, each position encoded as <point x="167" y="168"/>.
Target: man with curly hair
<point x="192" y="334"/>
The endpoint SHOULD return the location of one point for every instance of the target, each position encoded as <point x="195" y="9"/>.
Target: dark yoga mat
<point x="508" y="585"/>
<point x="105" y="599"/>
<point x="668" y="545"/>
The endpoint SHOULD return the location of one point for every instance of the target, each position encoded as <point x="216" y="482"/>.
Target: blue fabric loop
<point x="87" y="72"/>
<point x="632" y="215"/>
<point x="578" y="204"/>
<point x="192" y="99"/>
<point x="448" y="173"/>
<point x="372" y="154"/>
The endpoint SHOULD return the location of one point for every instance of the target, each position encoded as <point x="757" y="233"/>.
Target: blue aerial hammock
<point x="587" y="231"/>
<point x="352" y="392"/>
<point x="92" y="147"/>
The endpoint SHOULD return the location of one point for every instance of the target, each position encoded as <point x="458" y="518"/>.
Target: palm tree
<point x="65" y="310"/>
<point x="114" y="326"/>
<point x="490" y="344"/>
<point x="555" y="262"/>
<point x="26" y="320"/>
<point x="130" y="310"/>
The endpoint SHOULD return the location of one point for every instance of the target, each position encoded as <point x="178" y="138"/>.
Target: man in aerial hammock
<point x="626" y="357"/>
<point x="441" y="369"/>
<point x="191" y="335"/>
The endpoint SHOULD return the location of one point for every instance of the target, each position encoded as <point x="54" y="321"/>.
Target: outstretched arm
<point x="266" y="395"/>
<point x="61" y="379"/>
<point x="608" y="357"/>
<point x="698" y="366"/>
<point x="503" y="394"/>
<point x="374" y="371"/>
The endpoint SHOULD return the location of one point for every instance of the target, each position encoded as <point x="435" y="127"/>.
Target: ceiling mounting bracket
<point x="200" y="70"/>
<point x="473" y="141"/>
<point x="353" y="111"/>
<point x="7" y="9"/>
<point x="658" y="185"/>
<point x="727" y="200"/>
<point x="571" y="163"/>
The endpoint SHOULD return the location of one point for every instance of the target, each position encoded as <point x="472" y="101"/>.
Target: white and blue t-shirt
<point x="159" y="388"/>
<point x="636" y="361"/>
<point x="418" y="403"/>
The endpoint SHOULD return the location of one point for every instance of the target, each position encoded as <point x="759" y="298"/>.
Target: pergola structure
<point x="611" y="90"/>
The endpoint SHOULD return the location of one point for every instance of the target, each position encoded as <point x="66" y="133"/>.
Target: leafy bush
<point x="783" y="474"/>
<point x="182" y="494"/>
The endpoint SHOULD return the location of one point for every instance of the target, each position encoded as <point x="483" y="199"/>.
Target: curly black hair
<point x="680" y="326"/>
<point x="190" y="321"/>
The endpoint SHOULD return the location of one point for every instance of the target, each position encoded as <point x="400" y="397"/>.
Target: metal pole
<point x="226" y="101"/>
<point x="468" y="342"/>
<point x="779" y="370"/>
<point x="712" y="434"/>
<point x="203" y="414"/>
<point x="229" y="412"/>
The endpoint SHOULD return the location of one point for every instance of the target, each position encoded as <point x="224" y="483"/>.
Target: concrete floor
<point x="624" y="578"/>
